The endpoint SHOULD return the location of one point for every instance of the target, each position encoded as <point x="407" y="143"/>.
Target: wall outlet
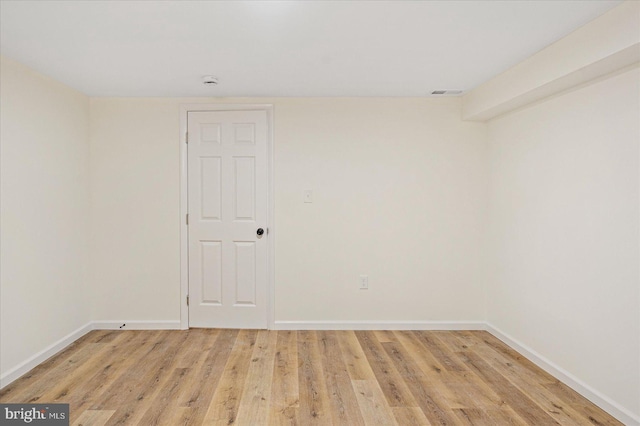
<point x="364" y="282"/>
<point x="308" y="196"/>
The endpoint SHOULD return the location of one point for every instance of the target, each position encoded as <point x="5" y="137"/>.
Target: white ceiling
<point x="282" y="48"/>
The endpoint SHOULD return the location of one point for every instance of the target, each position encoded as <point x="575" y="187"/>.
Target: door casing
<point x="184" y="230"/>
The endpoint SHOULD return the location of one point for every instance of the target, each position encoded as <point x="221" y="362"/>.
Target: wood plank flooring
<point x="259" y="377"/>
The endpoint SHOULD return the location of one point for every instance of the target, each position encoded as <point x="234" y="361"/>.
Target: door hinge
<point x="187" y="300"/>
<point x="187" y="218"/>
<point x="186" y="137"/>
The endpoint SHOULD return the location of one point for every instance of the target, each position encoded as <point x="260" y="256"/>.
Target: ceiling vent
<point x="446" y="92"/>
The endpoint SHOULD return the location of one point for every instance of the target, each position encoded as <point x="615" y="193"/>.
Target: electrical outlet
<point x="308" y="196"/>
<point x="364" y="282"/>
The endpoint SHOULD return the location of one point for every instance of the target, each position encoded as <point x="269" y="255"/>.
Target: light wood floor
<point x="248" y="377"/>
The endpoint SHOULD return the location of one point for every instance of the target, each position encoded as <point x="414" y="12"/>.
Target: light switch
<point x="308" y="196"/>
<point x="364" y="282"/>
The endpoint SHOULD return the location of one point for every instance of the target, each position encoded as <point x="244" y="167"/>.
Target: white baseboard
<point x="43" y="355"/>
<point x="136" y="325"/>
<point x="379" y="325"/>
<point x="602" y="401"/>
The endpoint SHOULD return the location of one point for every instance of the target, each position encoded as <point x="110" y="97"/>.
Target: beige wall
<point x="399" y="194"/>
<point x="135" y="234"/>
<point x="564" y="233"/>
<point x="44" y="190"/>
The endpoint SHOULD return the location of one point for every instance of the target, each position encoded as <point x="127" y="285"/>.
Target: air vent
<point x="446" y="92"/>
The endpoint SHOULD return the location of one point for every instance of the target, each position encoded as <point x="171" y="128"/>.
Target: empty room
<point x="320" y="212"/>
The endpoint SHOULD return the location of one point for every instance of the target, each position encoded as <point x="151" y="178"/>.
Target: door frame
<point x="184" y="205"/>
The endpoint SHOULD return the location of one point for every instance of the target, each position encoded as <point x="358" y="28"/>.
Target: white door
<point x="227" y="196"/>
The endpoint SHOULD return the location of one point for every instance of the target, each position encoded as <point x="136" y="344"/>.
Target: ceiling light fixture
<point x="209" y="80"/>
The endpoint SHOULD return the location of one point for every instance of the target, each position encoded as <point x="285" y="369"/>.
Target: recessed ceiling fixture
<point x="446" y="92"/>
<point x="209" y="80"/>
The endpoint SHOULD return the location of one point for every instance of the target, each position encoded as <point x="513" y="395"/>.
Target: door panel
<point x="227" y="196"/>
<point x="211" y="191"/>
<point x="245" y="257"/>
<point x="211" y="279"/>
<point x="244" y="188"/>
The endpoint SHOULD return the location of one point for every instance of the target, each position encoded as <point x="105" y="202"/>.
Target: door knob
<point x="260" y="231"/>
